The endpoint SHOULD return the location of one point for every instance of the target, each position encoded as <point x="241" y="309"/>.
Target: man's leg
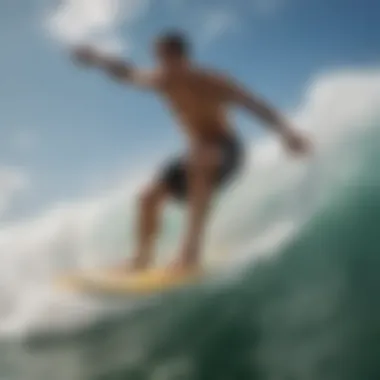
<point x="201" y="179"/>
<point x="148" y="223"/>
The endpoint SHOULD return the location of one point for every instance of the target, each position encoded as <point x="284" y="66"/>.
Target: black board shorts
<point x="174" y="173"/>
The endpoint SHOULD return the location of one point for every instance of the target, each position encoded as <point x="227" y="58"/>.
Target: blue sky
<point x="66" y="132"/>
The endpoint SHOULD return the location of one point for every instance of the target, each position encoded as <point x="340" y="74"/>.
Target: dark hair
<point x="175" y="41"/>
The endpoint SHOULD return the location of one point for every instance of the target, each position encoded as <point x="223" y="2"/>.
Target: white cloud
<point x="99" y="21"/>
<point x="13" y="181"/>
<point x="95" y="21"/>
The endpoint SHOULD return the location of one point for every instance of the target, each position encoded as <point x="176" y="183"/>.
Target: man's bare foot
<point x="127" y="267"/>
<point x="181" y="266"/>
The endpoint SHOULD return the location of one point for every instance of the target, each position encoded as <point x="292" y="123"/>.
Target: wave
<point x="269" y="207"/>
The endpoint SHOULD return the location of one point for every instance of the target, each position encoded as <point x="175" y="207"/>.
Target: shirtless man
<point x="199" y="98"/>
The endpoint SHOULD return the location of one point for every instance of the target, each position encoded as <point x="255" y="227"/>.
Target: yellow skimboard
<point x="119" y="283"/>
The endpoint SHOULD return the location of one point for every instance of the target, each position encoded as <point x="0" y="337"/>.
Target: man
<point x="199" y="99"/>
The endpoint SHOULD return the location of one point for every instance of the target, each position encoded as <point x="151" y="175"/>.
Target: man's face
<point x="165" y="56"/>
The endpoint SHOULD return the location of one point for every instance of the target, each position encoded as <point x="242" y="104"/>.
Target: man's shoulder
<point x="213" y="76"/>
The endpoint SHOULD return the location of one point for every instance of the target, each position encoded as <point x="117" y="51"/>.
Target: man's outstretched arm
<point x="116" y="67"/>
<point x="258" y="107"/>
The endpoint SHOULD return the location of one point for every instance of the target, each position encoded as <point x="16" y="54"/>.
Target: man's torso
<point x="198" y="103"/>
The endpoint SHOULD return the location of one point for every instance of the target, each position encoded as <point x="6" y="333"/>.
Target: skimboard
<point x="119" y="283"/>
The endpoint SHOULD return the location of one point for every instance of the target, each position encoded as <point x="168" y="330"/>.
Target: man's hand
<point x="297" y="143"/>
<point x="117" y="68"/>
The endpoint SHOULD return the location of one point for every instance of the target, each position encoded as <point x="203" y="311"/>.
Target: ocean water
<point x="295" y="251"/>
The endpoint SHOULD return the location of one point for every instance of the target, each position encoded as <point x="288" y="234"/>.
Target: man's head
<point x="172" y="48"/>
